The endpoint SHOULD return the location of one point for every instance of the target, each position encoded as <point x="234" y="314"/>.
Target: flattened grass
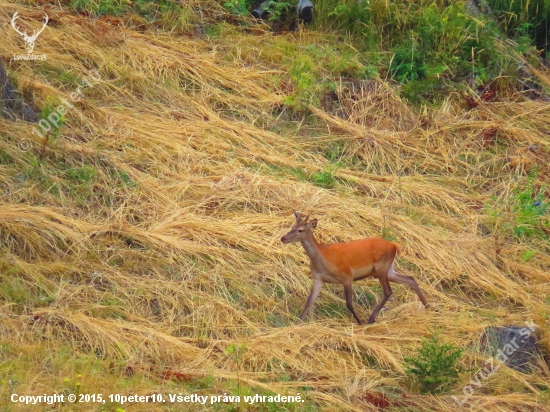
<point x="172" y="255"/>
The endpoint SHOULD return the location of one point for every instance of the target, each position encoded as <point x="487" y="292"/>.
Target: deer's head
<point x="301" y="229"/>
<point x="29" y="40"/>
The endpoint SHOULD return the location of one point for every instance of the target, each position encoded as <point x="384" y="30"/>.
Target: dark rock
<point x="11" y="105"/>
<point x="515" y="346"/>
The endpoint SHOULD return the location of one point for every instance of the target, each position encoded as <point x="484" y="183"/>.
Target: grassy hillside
<point x="140" y="243"/>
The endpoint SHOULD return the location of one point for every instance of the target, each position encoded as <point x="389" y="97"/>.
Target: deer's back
<point x="361" y="258"/>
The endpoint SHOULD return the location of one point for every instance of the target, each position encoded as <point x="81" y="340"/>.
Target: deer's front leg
<point x="348" y="289"/>
<point x="317" y="285"/>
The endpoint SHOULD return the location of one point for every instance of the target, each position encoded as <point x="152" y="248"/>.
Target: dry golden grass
<point x="170" y="255"/>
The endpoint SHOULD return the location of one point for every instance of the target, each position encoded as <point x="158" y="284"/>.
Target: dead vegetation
<point x="145" y="242"/>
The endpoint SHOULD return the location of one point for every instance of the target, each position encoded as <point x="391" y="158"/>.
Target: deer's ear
<point x="298" y="216"/>
<point x="313" y="223"/>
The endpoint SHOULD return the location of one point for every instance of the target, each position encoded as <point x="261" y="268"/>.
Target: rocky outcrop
<point x="12" y="106"/>
<point x="515" y="346"/>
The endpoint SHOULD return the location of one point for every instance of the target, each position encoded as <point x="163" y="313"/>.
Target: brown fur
<point x="345" y="263"/>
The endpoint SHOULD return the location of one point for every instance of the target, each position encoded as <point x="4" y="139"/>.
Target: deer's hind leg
<point x="409" y="281"/>
<point x="348" y="289"/>
<point x="386" y="289"/>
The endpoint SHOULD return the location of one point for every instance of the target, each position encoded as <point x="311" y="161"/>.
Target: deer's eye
<point x="300" y="230"/>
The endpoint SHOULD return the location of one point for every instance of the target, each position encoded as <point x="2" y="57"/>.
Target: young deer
<point x="346" y="262"/>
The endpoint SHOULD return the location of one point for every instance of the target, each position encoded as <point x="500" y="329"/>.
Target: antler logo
<point x="29" y="40"/>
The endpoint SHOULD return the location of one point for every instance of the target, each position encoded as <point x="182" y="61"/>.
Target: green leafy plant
<point x="525" y="19"/>
<point x="528" y="255"/>
<point x="126" y="180"/>
<point x="524" y="213"/>
<point x="49" y="108"/>
<point x="339" y="11"/>
<point x="529" y="208"/>
<point x="304" y="81"/>
<point x="52" y="124"/>
<point x="435" y="364"/>
<point x="279" y="8"/>
<point x="427" y="46"/>
<point x="237" y="7"/>
<point x="523" y="39"/>
<point x="408" y="61"/>
<point x="82" y="175"/>
<point x="436" y="47"/>
<point x="326" y="178"/>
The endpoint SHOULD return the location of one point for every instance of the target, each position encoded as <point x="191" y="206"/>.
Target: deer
<point x="29" y="40"/>
<point x="344" y="263"/>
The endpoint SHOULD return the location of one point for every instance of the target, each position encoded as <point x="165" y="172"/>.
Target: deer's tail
<point x="399" y="249"/>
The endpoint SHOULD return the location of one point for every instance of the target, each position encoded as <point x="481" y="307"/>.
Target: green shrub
<point x="435" y="365"/>
<point x="443" y="43"/>
<point x="426" y="45"/>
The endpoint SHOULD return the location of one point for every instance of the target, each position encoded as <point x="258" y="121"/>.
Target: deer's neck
<point x="312" y="248"/>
